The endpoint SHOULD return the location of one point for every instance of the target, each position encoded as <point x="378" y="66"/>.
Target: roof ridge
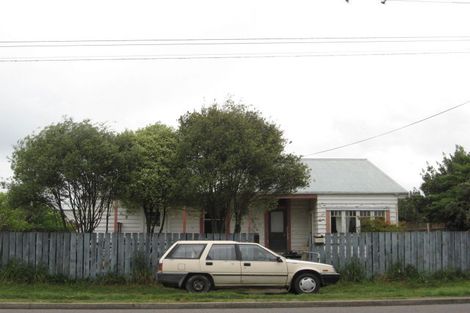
<point x="337" y="159"/>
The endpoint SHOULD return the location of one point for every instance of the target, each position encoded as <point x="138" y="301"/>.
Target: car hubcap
<point x="198" y="285"/>
<point x="307" y="284"/>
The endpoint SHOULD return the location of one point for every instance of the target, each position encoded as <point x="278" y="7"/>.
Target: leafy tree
<point x="11" y="219"/>
<point x="412" y="208"/>
<point x="234" y="158"/>
<point x="37" y="215"/>
<point x="77" y="166"/>
<point x="447" y="190"/>
<point x="153" y="181"/>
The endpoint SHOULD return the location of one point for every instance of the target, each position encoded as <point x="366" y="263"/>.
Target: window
<point x="187" y="251"/>
<point x="351" y="222"/>
<point x="256" y="253"/>
<point x="336" y="225"/>
<point x="379" y="215"/>
<point x="208" y="226"/>
<point x="222" y="252"/>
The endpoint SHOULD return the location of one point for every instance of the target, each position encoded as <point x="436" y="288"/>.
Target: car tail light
<point x="160" y="267"/>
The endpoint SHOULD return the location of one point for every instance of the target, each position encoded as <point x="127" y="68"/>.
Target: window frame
<point x="237" y="252"/>
<point x="260" y="247"/>
<point x="359" y="216"/>
<point x="170" y="254"/>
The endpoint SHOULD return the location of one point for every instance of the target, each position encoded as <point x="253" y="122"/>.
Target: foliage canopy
<point x="153" y="181"/>
<point x="232" y="158"/>
<point x="446" y="188"/>
<point x="76" y="166"/>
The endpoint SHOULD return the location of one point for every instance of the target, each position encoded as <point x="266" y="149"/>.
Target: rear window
<point x="187" y="251"/>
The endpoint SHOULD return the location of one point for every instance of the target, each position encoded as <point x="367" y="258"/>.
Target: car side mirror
<point x="279" y="259"/>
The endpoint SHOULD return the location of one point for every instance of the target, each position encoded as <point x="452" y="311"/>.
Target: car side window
<point x="256" y="253"/>
<point x="222" y="252"/>
<point x="187" y="251"/>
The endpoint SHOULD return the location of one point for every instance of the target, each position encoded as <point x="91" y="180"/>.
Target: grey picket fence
<point x="82" y="256"/>
<point x="378" y="252"/>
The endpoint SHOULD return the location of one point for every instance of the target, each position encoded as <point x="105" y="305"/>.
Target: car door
<point x="223" y="264"/>
<point x="261" y="267"/>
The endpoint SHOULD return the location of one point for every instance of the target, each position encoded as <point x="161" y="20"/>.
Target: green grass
<point x="89" y="292"/>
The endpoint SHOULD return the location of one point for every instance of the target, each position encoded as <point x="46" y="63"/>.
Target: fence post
<point x="93" y="264"/>
<point x="73" y="255"/>
<point x="86" y="255"/>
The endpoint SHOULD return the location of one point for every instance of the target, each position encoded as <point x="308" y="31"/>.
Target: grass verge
<point x="82" y="292"/>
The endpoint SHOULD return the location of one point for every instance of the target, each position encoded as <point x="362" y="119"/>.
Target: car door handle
<point x="209" y="263"/>
<point x="246" y="264"/>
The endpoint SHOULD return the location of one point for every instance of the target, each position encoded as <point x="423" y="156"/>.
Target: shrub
<point x="379" y="225"/>
<point x="110" y="279"/>
<point x="353" y="271"/>
<point x="21" y="272"/>
<point x="450" y="274"/>
<point x="141" y="272"/>
<point x="398" y="272"/>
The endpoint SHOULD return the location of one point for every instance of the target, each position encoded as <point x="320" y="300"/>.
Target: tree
<point x="233" y="158"/>
<point x="153" y="181"/>
<point x="77" y="166"/>
<point x="11" y="219"/>
<point x="36" y="215"/>
<point x="447" y="190"/>
<point x="412" y="208"/>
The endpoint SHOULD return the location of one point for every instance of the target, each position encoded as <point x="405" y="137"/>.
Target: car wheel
<point x="306" y="283"/>
<point x="198" y="283"/>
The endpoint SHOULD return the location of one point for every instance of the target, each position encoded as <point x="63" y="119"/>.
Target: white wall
<point x="353" y="202"/>
<point x="300" y="224"/>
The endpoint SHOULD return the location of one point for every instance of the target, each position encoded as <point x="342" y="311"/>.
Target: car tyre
<point x="306" y="283"/>
<point x="198" y="283"/>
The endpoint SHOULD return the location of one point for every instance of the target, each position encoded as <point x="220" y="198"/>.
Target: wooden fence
<point x="80" y="256"/>
<point x="427" y="252"/>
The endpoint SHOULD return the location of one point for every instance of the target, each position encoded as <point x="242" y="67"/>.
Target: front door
<point x="278" y="230"/>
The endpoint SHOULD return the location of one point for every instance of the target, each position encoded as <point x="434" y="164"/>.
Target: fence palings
<point x="378" y="252"/>
<point x="79" y="255"/>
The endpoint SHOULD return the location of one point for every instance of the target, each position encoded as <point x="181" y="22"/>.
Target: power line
<point x="130" y="44"/>
<point x="219" y="56"/>
<point x="390" y="131"/>
<point x="432" y="1"/>
<point x="239" y="40"/>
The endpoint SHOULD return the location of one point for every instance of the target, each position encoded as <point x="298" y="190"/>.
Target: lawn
<point x="93" y="293"/>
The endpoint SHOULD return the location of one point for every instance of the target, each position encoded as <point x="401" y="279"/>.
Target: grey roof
<point x="348" y="176"/>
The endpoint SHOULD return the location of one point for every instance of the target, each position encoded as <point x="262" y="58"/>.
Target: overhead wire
<point x="219" y="56"/>
<point x="389" y="131"/>
<point x="229" y="41"/>
<point x="432" y="1"/>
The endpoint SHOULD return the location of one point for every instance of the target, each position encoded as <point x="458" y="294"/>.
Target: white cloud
<point x="319" y="102"/>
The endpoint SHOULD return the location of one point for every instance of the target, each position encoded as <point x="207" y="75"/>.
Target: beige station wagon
<point x="200" y="266"/>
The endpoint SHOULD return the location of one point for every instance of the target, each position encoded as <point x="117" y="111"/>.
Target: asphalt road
<point x="437" y="308"/>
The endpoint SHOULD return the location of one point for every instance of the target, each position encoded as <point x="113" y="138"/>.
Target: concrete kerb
<point x="231" y="305"/>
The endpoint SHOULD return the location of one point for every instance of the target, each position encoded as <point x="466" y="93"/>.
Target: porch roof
<point x="348" y="176"/>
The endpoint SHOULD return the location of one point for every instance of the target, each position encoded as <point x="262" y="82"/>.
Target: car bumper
<point x="170" y="279"/>
<point x="328" y="279"/>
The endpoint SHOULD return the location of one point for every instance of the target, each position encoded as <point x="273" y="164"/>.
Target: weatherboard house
<point x="341" y="193"/>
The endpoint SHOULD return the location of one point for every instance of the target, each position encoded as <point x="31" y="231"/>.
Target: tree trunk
<point x="163" y="222"/>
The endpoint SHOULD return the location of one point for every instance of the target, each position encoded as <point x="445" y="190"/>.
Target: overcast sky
<point x="320" y="102"/>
